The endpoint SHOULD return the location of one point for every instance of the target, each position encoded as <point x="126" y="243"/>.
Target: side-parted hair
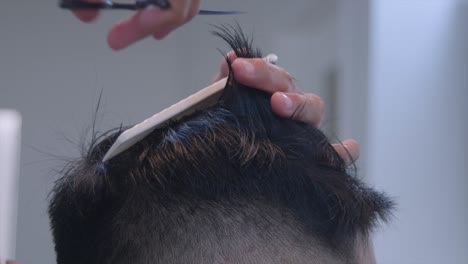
<point x="234" y="183"/>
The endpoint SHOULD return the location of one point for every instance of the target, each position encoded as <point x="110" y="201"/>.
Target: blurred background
<point x="393" y="74"/>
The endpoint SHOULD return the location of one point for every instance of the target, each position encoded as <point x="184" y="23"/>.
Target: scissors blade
<point x="218" y="12"/>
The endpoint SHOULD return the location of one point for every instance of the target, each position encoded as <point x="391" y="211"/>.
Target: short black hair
<point x="233" y="183"/>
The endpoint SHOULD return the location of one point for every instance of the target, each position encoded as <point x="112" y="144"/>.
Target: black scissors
<point x="139" y="4"/>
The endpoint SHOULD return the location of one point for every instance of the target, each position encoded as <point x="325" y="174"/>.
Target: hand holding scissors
<point x="155" y="18"/>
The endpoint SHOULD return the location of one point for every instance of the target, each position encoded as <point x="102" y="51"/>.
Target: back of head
<point x="231" y="184"/>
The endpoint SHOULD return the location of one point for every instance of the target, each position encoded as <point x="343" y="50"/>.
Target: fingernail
<point x="288" y="104"/>
<point x="247" y="66"/>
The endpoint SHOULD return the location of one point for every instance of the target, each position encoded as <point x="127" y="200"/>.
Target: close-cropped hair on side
<point x="233" y="183"/>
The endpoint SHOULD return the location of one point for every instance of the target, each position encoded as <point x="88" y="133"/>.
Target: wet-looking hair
<point x="234" y="183"/>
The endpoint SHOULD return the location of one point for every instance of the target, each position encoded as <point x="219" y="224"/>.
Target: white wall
<point x="418" y="127"/>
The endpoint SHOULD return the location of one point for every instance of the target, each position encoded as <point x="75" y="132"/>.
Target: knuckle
<point x="260" y="64"/>
<point x="193" y="12"/>
<point x="178" y="19"/>
<point x="280" y="78"/>
<point x="316" y="108"/>
<point x="284" y="86"/>
<point x="300" y="113"/>
<point x="175" y="19"/>
<point x="262" y="71"/>
<point x="315" y="99"/>
<point x="320" y="103"/>
<point x="288" y="77"/>
<point x="288" y="82"/>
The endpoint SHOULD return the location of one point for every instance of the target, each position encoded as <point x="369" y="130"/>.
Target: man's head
<point x="232" y="184"/>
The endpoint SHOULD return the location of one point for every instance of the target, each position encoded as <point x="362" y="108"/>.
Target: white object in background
<point x="10" y="136"/>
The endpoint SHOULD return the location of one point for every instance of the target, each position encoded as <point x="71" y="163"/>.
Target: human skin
<point x="151" y="21"/>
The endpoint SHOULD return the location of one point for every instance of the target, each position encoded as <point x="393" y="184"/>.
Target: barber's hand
<point x="287" y="99"/>
<point x="148" y="22"/>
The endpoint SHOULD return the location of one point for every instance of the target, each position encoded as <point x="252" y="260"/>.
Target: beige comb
<point x="200" y="100"/>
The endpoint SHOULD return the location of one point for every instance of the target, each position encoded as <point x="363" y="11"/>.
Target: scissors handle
<point x="107" y="4"/>
<point x="139" y="4"/>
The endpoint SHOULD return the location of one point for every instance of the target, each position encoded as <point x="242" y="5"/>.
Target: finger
<point x="87" y="15"/>
<point x="129" y="30"/>
<point x="193" y="11"/>
<point x="193" y="8"/>
<point x="143" y="23"/>
<point x="307" y="108"/>
<point x="348" y="150"/>
<point x="258" y="73"/>
<point x="224" y="69"/>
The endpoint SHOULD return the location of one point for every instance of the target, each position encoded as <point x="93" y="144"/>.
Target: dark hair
<point x="234" y="183"/>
